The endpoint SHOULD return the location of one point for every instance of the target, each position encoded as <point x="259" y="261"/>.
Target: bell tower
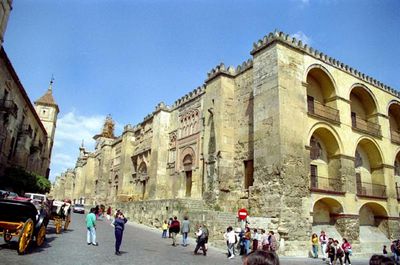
<point x="47" y="110"/>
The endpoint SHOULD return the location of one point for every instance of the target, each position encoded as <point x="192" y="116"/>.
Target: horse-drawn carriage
<point x="60" y="212"/>
<point x="21" y="219"/>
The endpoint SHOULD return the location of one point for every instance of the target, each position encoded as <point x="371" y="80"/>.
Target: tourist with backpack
<point x="347" y="251"/>
<point x="201" y="239"/>
<point x="174" y="229"/>
<point x="339" y="252"/>
<point x="331" y="250"/>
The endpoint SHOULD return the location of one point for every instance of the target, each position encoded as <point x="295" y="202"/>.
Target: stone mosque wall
<point x="301" y="140"/>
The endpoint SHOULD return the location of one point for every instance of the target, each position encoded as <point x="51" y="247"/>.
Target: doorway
<point x="188" y="183"/>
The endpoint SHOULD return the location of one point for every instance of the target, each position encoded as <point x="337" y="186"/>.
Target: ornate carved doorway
<point x="143" y="177"/>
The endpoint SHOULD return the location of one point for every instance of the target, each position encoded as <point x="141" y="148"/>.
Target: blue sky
<point x="123" y="57"/>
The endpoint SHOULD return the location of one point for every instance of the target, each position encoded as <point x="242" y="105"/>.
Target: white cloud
<point x="71" y="129"/>
<point x="63" y="160"/>
<point x="299" y="35"/>
<point x="75" y="128"/>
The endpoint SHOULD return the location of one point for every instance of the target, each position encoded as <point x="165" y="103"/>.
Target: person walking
<point x="347" y="251"/>
<point x="164" y="228"/>
<point x="231" y="240"/>
<point x="108" y="213"/>
<point x="246" y="240"/>
<point x="256" y="240"/>
<point x="91" y="227"/>
<point x="119" y="225"/>
<point x="174" y="229"/>
<point x="185" y="230"/>
<point x="323" y="240"/>
<point x="206" y="234"/>
<point x="273" y="245"/>
<point x="339" y="252"/>
<point x="264" y="241"/>
<point x="169" y="225"/>
<point x="201" y="239"/>
<point x="331" y="250"/>
<point x="314" y="244"/>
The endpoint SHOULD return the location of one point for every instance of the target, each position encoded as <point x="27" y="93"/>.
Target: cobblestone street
<point x="140" y="245"/>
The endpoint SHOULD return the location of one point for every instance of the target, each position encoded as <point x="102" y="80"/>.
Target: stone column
<point x="393" y="227"/>
<point x="348" y="174"/>
<point x="348" y="226"/>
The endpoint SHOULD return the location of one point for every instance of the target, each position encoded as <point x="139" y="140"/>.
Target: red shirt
<point x="346" y="246"/>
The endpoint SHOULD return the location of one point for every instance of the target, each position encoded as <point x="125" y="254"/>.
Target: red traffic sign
<point x="242" y="214"/>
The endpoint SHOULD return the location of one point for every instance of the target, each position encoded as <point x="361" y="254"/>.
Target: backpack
<point x="205" y="231"/>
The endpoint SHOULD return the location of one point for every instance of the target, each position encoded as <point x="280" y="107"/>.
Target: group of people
<point x="173" y="227"/>
<point x="246" y="241"/>
<point x="118" y="223"/>
<point x="331" y="249"/>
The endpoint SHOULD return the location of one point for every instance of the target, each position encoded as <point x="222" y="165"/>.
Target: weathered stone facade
<point x="298" y="138"/>
<point x="26" y="130"/>
<point x="24" y="140"/>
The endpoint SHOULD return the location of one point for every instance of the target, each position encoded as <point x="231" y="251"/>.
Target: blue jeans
<point x="164" y="233"/>
<point x="118" y="239"/>
<point x="184" y="238"/>
<point x="91" y="235"/>
<point x="247" y="246"/>
<point x="315" y="250"/>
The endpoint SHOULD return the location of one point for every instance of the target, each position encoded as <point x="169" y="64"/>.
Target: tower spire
<point x="51" y="83"/>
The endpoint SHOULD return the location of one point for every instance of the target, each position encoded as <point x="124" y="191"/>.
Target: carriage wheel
<point x="40" y="237"/>
<point x="67" y="221"/>
<point x="25" y="236"/>
<point x="58" y="224"/>
<point x="7" y="236"/>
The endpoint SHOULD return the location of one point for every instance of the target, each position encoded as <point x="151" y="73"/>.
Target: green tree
<point x="20" y="181"/>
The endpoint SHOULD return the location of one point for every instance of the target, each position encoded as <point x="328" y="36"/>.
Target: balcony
<point x="365" y="126"/>
<point x="371" y="190"/>
<point x="395" y="137"/>
<point x="321" y="111"/>
<point x="326" y="185"/>
<point x="8" y="106"/>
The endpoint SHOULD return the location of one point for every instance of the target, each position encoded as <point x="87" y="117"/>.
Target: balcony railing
<point x="395" y="136"/>
<point x="9" y="106"/>
<point x="332" y="185"/>
<point x="365" y="126"/>
<point x="371" y="190"/>
<point x="317" y="109"/>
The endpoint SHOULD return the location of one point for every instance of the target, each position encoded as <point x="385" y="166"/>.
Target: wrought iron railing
<point x="365" y="126"/>
<point x="317" y="109"/>
<point x="395" y="136"/>
<point x="326" y="184"/>
<point x="9" y="106"/>
<point x="372" y="190"/>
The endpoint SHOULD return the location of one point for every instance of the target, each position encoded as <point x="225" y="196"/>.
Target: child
<point x="384" y="251"/>
<point x="164" y="229"/>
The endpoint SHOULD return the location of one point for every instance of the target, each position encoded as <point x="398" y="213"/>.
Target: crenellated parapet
<point x="189" y="97"/>
<point x="244" y="66"/>
<point x="282" y="37"/>
<point x="220" y="70"/>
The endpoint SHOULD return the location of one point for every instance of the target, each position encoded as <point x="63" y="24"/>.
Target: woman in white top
<point x="231" y="240"/>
